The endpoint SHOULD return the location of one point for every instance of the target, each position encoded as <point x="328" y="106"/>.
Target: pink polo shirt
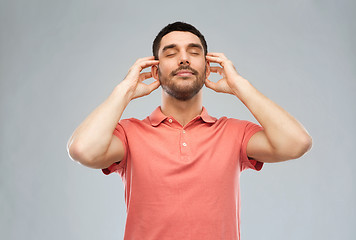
<point x="182" y="183"/>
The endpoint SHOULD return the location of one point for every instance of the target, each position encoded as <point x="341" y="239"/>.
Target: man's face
<point x="182" y="66"/>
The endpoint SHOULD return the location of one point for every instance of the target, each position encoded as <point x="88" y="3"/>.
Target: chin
<point x="182" y="93"/>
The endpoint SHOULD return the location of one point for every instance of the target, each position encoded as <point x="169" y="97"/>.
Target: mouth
<point x="184" y="73"/>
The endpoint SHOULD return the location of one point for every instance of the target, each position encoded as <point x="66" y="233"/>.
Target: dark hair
<point x="177" y="26"/>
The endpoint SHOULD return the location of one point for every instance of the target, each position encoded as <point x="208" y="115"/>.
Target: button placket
<point x="184" y="145"/>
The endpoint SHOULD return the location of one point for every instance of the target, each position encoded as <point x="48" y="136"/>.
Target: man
<point x="180" y="166"/>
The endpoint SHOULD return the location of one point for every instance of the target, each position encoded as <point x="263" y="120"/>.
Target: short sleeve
<point x="250" y="130"/>
<point x="118" y="167"/>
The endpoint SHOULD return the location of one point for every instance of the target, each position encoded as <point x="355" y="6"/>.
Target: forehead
<point x="179" y="38"/>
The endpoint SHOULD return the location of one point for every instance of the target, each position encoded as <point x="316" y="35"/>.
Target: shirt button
<point x="170" y="120"/>
<point x="183" y="131"/>
<point x="184" y="144"/>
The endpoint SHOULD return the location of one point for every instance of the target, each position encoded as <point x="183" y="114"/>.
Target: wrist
<point x="238" y="85"/>
<point x="242" y="87"/>
<point x="124" y="92"/>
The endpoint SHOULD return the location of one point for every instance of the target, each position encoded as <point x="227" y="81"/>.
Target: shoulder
<point x="233" y="122"/>
<point x="133" y="122"/>
<point x="238" y="127"/>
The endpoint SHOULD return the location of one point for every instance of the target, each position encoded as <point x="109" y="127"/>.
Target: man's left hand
<point x="228" y="82"/>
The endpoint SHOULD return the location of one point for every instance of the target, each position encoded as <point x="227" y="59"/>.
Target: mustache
<point x="195" y="72"/>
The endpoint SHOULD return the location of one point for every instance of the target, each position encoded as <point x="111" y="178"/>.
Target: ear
<point x="207" y="71"/>
<point x="154" y="71"/>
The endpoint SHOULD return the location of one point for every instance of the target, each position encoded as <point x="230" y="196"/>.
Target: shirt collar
<point x="206" y="117"/>
<point x="157" y="117"/>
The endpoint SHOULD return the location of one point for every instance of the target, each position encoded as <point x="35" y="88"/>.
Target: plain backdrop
<point x="60" y="59"/>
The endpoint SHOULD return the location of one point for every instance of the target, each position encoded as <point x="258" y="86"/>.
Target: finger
<point x="147" y="63"/>
<point x="217" y="70"/>
<point x="210" y="84"/>
<point x="144" y="76"/>
<point x="153" y="86"/>
<point x="215" y="59"/>
<point x="215" y="54"/>
<point x="224" y="62"/>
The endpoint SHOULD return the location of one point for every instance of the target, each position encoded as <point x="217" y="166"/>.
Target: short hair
<point x="177" y="26"/>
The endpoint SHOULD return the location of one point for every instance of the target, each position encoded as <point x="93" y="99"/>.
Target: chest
<point x="177" y="156"/>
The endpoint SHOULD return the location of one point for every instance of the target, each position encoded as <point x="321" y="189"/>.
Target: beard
<point x="184" y="88"/>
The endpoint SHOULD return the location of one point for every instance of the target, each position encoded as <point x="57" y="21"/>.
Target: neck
<point x="182" y="111"/>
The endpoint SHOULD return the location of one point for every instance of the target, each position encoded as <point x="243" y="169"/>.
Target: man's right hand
<point x="93" y="143"/>
<point x="134" y="78"/>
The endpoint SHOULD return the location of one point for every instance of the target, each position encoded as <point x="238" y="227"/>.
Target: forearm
<point x="282" y="130"/>
<point x="93" y="136"/>
<point x="283" y="137"/>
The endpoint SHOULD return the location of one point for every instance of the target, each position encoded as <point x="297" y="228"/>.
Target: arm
<point x="283" y="137"/>
<point x="93" y="143"/>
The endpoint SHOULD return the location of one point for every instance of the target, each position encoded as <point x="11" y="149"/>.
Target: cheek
<point x="201" y="67"/>
<point x="164" y="68"/>
<point x="201" y="63"/>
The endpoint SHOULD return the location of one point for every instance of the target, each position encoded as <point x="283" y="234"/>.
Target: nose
<point x="184" y="60"/>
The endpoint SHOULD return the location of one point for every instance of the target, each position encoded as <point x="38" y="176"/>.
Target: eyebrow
<point x="190" y="45"/>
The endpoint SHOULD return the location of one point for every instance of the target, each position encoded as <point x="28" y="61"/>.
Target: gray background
<point x="61" y="59"/>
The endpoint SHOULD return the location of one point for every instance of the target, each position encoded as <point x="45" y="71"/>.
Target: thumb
<point x="154" y="85"/>
<point x="210" y="84"/>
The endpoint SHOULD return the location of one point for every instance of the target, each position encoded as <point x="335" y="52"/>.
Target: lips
<point x="184" y="73"/>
